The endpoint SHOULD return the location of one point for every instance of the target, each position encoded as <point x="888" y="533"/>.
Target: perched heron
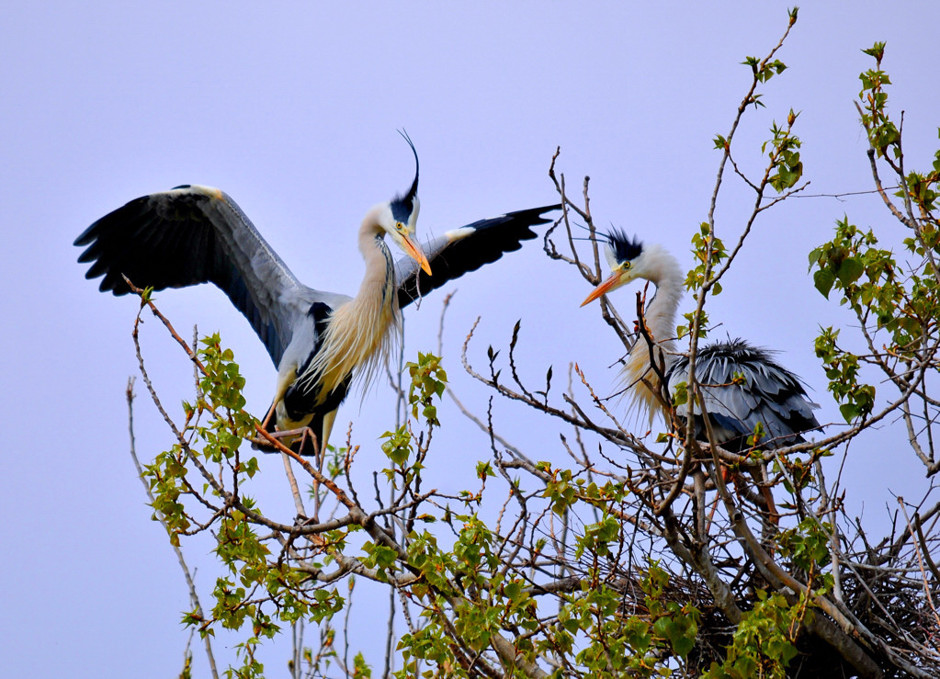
<point x="317" y="339"/>
<point x="768" y="393"/>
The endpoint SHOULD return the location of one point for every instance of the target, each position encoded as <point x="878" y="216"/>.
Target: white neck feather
<point x="661" y="269"/>
<point x="358" y="337"/>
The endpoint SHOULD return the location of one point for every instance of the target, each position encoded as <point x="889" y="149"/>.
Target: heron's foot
<point x="262" y="444"/>
<point x="302" y="441"/>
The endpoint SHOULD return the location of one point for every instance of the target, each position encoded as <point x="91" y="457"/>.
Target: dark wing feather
<point x="190" y="235"/>
<point x="769" y="394"/>
<point x="467" y="249"/>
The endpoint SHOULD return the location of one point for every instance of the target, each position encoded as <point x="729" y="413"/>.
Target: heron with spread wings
<point x="740" y="385"/>
<point x="318" y="340"/>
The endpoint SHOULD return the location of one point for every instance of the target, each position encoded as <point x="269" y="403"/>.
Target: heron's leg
<point x="770" y="516"/>
<point x="328" y="420"/>
<point x="762" y="500"/>
<point x="725" y="475"/>
<point x="259" y="442"/>
<point x="272" y="411"/>
<point x="307" y="446"/>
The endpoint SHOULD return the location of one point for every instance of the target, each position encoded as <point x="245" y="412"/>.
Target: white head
<point x="629" y="259"/>
<point x="399" y="217"/>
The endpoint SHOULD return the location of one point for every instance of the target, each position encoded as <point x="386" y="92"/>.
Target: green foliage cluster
<point x="896" y="302"/>
<point x="763" y="642"/>
<point x="258" y="591"/>
<point x="469" y="593"/>
<point x="465" y="593"/>
<point x="842" y="369"/>
<point x="786" y="168"/>
<point x="882" y="132"/>
<point x="709" y="251"/>
<point x="615" y="642"/>
<point x="428" y="381"/>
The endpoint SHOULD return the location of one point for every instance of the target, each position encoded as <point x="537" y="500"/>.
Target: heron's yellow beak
<point x="614" y="281"/>
<point x="414" y="251"/>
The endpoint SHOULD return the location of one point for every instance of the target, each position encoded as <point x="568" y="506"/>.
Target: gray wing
<point x="769" y="394"/>
<point x="466" y="249"/>
<point x="190" y="235"/>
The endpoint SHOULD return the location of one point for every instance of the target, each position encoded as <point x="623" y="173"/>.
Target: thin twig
<point x="191" y="585"/>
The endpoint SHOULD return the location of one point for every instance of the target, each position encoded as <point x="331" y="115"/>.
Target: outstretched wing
<point x="190" y="235"/>
<point x="741" y="386"/>
<point x="466" y="249"/>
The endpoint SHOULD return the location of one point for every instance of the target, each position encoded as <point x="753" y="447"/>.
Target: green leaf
<point x="681" y="394"/>
<point x="823" y="280"/>
<point x="849" y="270"/>
<point x="849" y="411"/>
<point x="877" y="51"/>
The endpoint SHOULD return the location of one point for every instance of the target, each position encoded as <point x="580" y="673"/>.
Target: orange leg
<point x="267" y="418"/>
<point x="725" y="476"/>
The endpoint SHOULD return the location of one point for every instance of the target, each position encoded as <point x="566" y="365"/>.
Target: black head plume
<point x="623" y="247"/>
<point x="403" y="205"/>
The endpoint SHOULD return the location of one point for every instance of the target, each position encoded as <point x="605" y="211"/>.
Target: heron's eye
<point x="626" y="266"/>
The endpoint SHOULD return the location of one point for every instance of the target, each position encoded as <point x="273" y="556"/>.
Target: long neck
<point x="378" y="284"/>
<point x="357" y="337"/>
<point x="660" y="317"/>
<point x="661" y="310"/>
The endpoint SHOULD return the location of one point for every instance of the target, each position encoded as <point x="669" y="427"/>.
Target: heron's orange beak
<point x="413" y="251"/>
<point x="613" y="282"/>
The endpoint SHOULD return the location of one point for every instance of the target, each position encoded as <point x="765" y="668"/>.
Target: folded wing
<point x="742" y="385"/>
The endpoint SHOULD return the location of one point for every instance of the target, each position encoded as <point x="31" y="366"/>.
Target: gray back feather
<point x="769" y="394"/>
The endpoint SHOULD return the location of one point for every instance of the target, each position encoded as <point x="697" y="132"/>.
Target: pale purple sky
<point x="292" y="109"/>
